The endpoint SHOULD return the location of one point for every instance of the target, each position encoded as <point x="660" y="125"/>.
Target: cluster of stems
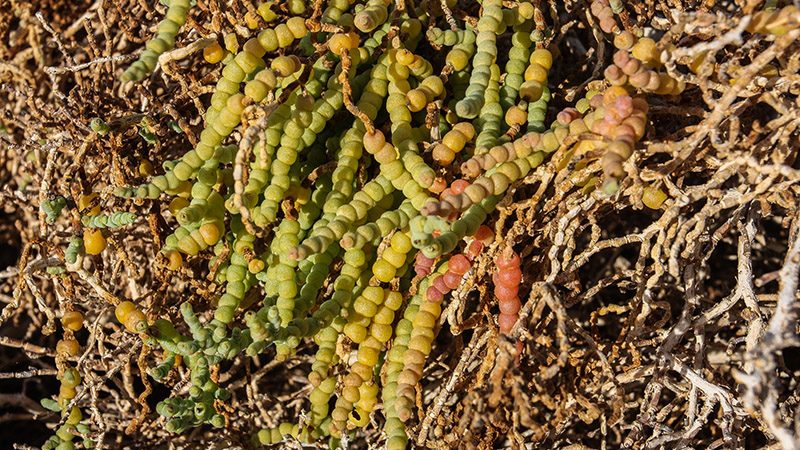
<point x="370" y="157"/>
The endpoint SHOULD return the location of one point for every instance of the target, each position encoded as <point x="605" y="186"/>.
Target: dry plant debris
<point x="391" y="224"/>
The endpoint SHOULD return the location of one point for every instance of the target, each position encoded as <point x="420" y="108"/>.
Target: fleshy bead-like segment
<point x="495" y="183"/>
<point x="422" y="332"/>
<point x="506" y="280"/>
<point x="490" y="24"/>
<point x="162" y="42"/>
